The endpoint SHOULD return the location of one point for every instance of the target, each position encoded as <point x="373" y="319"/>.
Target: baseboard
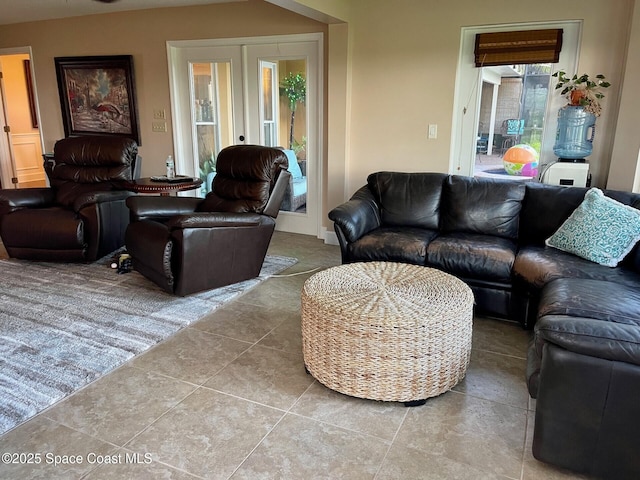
<point x="329" y="237"/>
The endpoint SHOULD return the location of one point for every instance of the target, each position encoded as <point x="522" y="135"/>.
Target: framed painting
<point x="97" y="96"/>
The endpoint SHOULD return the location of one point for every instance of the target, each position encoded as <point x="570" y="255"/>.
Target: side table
<point x="146" y="185"/>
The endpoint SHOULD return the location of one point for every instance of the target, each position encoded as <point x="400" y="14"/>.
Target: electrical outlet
<point x="159" y="127"/>
<point x="433" y="131"/>
<point x="159" y="114"/>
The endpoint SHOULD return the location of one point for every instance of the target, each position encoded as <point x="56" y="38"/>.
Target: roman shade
<point x="509" y="48"/>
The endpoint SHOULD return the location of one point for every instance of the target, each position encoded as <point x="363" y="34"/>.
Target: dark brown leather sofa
<point x="186" y="245"/>
<point x="82" y="216"/>
<point x="584" y="361"/>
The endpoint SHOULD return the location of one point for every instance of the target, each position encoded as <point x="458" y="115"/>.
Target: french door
<point x="262" y="91"/>
<point x="209" y="108"/>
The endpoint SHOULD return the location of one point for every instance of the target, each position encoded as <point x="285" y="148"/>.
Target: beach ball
<point x="521" y="160"/>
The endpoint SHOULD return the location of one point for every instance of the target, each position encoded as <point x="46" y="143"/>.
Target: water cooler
<point x="567" y="174"/>
<point x="574" y="142"/>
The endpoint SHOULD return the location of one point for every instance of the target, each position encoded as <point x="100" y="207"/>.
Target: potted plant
<point x="582" y="90"/>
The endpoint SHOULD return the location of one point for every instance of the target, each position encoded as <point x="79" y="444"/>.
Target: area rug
<point x="63" y="326"/>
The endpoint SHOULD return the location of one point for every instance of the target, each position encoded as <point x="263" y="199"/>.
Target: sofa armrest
<point x="160" y="208"/>
<point x="214" y="220"/>
<point x="358" y="216"/>
<point x="586" y="336"/>
<point x="11" y="200"/>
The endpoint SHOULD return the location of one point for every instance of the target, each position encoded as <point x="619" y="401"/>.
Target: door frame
<point x="286" y="220"/>
<point x="468" y="91"/>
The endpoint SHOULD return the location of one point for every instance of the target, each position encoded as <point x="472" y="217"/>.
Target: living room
<point x="390" y="71"/>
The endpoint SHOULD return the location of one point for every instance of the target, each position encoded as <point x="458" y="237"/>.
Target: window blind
<point x="509" y="48"/>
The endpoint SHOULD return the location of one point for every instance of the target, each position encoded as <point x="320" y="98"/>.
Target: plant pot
<point x="576" y="97"/>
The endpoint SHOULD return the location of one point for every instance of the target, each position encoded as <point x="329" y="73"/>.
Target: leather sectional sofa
<point x="584" y="359"/>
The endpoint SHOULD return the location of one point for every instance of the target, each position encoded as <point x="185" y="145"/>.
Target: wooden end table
<point x="147" y="185"/>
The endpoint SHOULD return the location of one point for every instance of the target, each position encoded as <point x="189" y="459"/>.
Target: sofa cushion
<point x="393" y="244"/>
<point x="481" y="205"/>
<point x="585" y="297"/>
<point x="544" y="209"/>
<point x="601" y="230"/>
<point x="471" y="255"/>
<point x="537" y="266"/>
<point x="408" y="199"/>
<point x="68" y="193"/>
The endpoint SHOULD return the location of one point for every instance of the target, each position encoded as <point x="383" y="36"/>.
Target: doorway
<point x="468" y="94"/>
<point x="21" y="163"/>
<point x="263" y="90"/>
<point x="512" y="113"/>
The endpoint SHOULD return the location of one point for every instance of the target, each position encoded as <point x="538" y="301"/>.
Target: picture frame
<point x="97" y="96"/>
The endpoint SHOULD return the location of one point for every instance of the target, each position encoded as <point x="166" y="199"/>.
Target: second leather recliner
<point x="187" y="244"/>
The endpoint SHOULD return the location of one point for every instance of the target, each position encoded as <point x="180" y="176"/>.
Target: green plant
<point x="207" y="165"/>
<point x="582" y="90"/>
<point x="298" y="147"/>
<point x="294" y="88"/>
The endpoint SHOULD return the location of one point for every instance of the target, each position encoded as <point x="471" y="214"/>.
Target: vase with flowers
<point x="577" y="119"/>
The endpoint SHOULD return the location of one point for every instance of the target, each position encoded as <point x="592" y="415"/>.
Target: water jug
<point x="576" y="129"/>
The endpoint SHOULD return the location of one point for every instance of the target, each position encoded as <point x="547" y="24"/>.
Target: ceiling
<point x="18" y="11"/>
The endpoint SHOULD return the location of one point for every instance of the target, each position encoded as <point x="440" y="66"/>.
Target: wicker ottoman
<point x="386" y="331"/>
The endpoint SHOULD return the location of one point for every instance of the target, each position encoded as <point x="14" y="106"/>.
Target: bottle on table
<point x="171" y="167"/>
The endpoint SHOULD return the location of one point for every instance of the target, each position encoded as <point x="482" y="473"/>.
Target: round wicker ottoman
<point x="386" y="331"/>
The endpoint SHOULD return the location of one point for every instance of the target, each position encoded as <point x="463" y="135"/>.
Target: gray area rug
<point x="63" y="326"/>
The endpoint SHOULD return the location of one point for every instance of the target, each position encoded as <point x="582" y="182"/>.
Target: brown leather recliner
<point x="186" y="244"/>
<point x="82" y="216"/>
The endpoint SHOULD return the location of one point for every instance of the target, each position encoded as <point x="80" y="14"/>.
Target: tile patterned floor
<point x="228" y="397"/>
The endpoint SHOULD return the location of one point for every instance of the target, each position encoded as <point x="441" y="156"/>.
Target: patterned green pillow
<point x="601" y="230"/>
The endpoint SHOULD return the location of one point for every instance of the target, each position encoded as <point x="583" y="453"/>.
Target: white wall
<point x="624" y="173"/>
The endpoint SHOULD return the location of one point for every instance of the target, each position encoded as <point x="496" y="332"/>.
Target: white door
<point x="21" y="163"/>
<point x="242" y="83"/>
<point x="8" y="175"/>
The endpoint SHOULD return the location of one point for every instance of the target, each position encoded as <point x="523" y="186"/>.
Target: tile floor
<point x="228" y="397"/>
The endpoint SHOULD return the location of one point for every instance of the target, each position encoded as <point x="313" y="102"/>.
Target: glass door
<point x="211" y="115"/>
<point x="210" y="109"/>
<point x="258" y="92"/>
<point x="286" y="75"/>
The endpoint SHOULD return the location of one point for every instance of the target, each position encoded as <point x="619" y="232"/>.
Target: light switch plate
<point x="159" y="127"/>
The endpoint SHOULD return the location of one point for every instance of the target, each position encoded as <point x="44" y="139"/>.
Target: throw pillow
<point x="601" y="230"/>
